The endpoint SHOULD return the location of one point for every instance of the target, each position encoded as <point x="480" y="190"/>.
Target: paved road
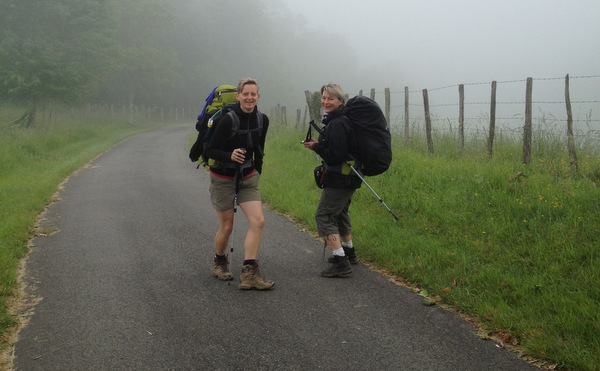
<point x="126" y="284"/>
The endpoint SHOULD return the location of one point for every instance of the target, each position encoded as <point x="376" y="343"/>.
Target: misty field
<point x="512" y="246"/>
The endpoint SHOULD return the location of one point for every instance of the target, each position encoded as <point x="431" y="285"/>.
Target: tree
<point x="145" y="69"/>
<point x="52" y="50"/>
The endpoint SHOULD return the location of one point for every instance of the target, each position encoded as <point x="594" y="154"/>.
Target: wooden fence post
<point x="304" y="121"/>
<point x="427" y="121"/>
<point x="461" y="118"/>
<point x="373" y="94"/>
<point x="527" y="127"/>
<point x="570" y="138"/>
<point x="492" y="121"/>
<point x="312" y="110"/>
<point x="387" y="107"/>
<point x="284" y="115"/>
<point x="298" y="116"/>
<point x="406" y="128"/>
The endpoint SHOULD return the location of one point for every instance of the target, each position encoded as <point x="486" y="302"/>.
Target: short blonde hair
<point x="335" y="91"/>
<point x="246" y="81"/>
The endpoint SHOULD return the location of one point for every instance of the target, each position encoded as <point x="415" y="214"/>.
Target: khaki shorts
<point x="222" y="191"/>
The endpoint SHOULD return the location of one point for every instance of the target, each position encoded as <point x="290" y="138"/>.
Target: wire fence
<point x="548" y="100"/>
<point x="562" y="109"/>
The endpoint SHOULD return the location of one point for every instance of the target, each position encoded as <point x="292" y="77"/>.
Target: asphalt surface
<point x="126" y="284"/>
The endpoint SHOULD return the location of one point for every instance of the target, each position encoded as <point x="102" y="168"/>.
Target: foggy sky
<point x="436" y="43"/>
<point x="432" y="44"/>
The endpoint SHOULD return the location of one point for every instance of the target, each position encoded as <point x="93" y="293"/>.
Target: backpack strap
<point x="235" y="129"/>
<point x="354" y="148"/>
<point x="259" y="122"/>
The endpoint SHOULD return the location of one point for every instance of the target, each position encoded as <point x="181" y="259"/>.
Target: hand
<point x="238" y="155"/>
<point x="310" y="144"/>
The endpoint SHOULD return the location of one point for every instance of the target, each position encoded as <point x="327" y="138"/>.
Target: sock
<point x="339" y="252"/>
<point x="220" y="257"/>
<point x="250" y="262"/>
<point x="348" y="244"/>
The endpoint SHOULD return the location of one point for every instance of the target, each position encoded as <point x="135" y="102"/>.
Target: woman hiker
<point x="236" y="154"/>
<point x="335" y="143"/>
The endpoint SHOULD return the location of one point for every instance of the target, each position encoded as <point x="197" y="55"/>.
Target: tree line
<point x="151" y="53"/>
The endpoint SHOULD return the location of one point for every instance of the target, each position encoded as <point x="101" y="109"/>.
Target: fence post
<point x="298" y="116"/>
<point x="387" y="107"/>
<point x="570" y="138"/>
<point x="284" y="115"/>
<point x="373" y="94"/>
<point x="313" y="110"/>
<point x="427" y="121"/>
<point x="527" y="127"/>
<point x="492" y="121"/>
<point x="304" y="121"/>
<point x="461" y="117"/>
<point x="406" y="128"/>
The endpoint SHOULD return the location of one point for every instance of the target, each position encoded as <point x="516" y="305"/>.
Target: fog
<point x="439" y="43"/>
<point x="171" y="53"/>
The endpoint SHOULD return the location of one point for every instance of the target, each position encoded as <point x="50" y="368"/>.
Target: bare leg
<point x="333" y="241"/>
<point x="224" y="232"/>
<point x="256" y="223"/>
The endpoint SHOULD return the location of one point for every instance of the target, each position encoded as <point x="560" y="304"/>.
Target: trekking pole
<point x="236" y="184"/>
<point x="372" y="190"/>
<point x="312" y="123"/>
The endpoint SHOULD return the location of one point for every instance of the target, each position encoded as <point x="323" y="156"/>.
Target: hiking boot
<point x="251" y="279"/>
<point x="221" y="269"/>
<point x="350" y="253"/>
<point x="340" y="268"/>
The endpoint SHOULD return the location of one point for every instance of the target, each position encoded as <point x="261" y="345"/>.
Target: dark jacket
<point x="222" y="144"/>
<point x="337" y="144"/>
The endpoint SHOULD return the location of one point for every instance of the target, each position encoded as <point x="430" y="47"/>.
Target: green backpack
<point x="220" y="96"/>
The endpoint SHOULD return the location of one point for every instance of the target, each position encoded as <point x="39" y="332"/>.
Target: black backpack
<point x="207" y="127"/>
<point x="371" y="133"/>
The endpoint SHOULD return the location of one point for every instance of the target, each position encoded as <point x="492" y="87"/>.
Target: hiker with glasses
<point x="236" y="157"/>
<point x="335" y="145"/>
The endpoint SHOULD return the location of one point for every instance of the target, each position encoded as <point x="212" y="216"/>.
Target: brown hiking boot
<point x="221" y="269"/>
<point x="340" y="267"/>
<point x="350" y="253"/>
<point x="251" y="279"/>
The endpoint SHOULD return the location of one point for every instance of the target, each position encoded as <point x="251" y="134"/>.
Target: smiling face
<point x="329" y="102"/>
<point x="248" y="97"/>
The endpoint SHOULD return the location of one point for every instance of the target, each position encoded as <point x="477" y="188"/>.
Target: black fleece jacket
<point x="336" y="145"/>
<point x="222" y="144"/>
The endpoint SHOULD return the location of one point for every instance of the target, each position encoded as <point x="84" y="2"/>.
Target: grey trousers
<point x="332" y="213"/>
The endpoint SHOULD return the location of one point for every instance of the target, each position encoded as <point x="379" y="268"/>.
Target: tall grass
<point x="33" y="162"/>
<point x="514" y="246"/>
